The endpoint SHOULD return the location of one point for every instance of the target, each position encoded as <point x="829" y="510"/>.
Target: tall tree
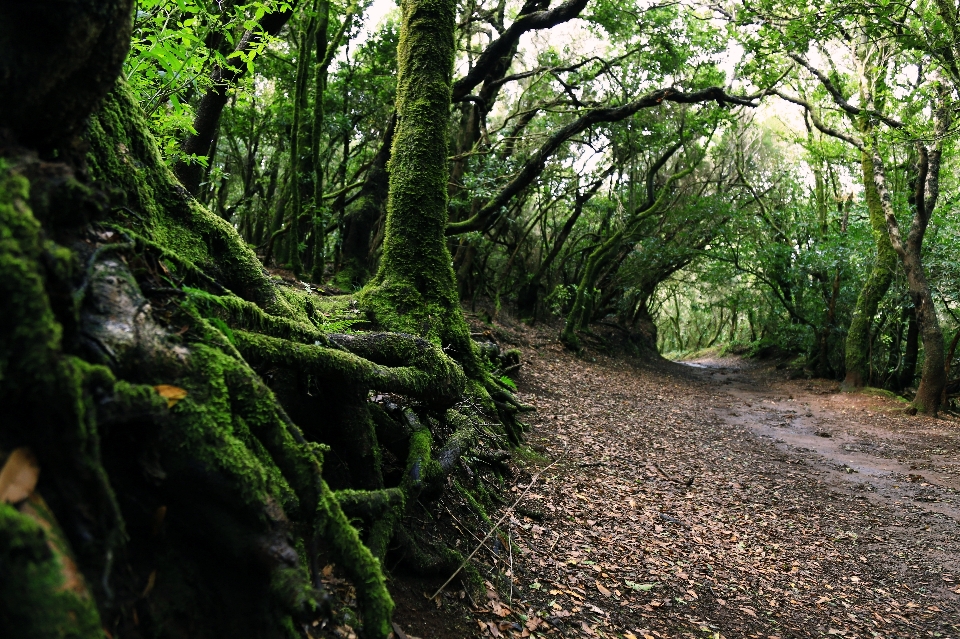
<point x="414" y="290"/>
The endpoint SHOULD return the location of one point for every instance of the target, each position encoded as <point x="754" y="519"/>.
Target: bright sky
<point x="375" y="16"/>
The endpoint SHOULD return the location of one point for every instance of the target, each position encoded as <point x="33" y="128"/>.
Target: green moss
<point x="874" y="288"/>
<point x="124" y="155"/>
<point x="36" y="598"/>
<point x="29" y="332"/>
<point x="471" y="499"/>
<point x="361" y="565"/>
<point x="417" y="373"/>
<point x="527" y="454"/>
<point x="47" y="395"/>
<point x="880" y="392"/>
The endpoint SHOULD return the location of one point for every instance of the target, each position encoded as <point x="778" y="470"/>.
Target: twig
<point x="464" y="527"/>
<point x="665" y="475"/>
<point x="555" y="542"/>
<point x="506" y="514"/>
<point x="510" y="549"/>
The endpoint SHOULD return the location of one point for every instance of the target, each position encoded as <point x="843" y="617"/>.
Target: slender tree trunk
<point x="932" y="379"/>
<point x="320" y="85"/>
<point x="359" y="226"/>
<point x="300" y="178"/>
<point x="911" y="350"/>
<point x="874" y="289"/>
<point x="527" y="298"/>
<point x="206" y="123"/>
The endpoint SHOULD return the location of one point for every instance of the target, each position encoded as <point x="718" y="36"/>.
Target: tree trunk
<point x="932" y="379"/>
<point x="911" y="350"/>
<point x="874" y="288"/>
<point x="206" y="123"/>
<point x="414" y="290"/>
<point x="359" y="226"/>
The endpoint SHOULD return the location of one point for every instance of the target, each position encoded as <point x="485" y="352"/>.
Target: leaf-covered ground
<point x="723" y="500"/>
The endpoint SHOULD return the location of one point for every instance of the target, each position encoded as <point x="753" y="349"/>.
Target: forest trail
<point x="719" y="499"/>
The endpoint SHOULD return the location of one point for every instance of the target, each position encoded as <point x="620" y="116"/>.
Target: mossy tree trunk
<point x="414" y="290"/>
<point x="874" y="288"/>
<point x="857" y="354"/>
<point x="933" y="377"/>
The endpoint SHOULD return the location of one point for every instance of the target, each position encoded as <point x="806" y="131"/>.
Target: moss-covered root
<point x="47" y="395"/>
<point x="437" y="380"/>
<point x="274" y="440"/>
<point x="41" y="592"/>
<point x="361" y="566"/>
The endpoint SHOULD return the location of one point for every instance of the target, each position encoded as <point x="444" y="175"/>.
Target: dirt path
<point x="718" y="500"/>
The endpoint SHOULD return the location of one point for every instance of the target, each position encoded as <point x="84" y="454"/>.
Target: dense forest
<point x="238" y="244"/>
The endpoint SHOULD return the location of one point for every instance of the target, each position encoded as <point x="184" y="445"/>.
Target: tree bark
<point x="911" y="349"/>
<point x="359" y="226"/>
<point x="414" y="290"/>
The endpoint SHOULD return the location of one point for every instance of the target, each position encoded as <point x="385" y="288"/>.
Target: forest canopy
<point x="238" y="241"/>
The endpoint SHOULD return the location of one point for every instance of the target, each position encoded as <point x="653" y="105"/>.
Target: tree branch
<point x="536" y="164"/>
<point x="817" y="122"/>
<point x="838" y="97"/>
<point x="509" y="38"/>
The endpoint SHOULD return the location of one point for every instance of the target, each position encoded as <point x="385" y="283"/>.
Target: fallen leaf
<point x="19" y="476"/>
<point x="172" y="394"/>
<point x="603" y="591"/>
